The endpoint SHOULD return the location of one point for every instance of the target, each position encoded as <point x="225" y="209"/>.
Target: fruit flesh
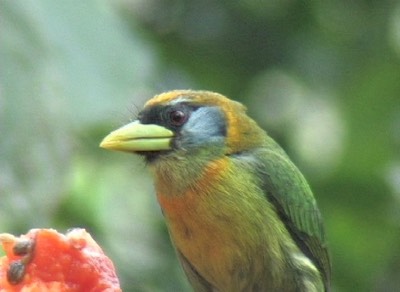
<point x="45" y="260"/>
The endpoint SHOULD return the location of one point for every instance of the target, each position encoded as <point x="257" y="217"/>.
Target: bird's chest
<point x="223" y="246"/>
<point x="218" y="224"/>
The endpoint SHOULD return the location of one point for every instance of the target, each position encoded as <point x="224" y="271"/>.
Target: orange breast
<point x="206" y="241"/>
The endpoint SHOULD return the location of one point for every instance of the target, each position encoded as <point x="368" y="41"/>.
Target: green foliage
<point x="321" y="76"/>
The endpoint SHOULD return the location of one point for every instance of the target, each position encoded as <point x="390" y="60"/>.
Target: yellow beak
<point x="136" y="137"/>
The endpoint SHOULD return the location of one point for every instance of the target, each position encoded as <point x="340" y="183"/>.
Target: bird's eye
<point x="178" y="117"/>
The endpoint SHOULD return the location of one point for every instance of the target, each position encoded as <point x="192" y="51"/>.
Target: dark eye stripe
<point x="170" y="116"/>
<point x="151" y="115"/>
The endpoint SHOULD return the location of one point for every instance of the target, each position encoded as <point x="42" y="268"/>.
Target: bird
<point x="240" y="214"/>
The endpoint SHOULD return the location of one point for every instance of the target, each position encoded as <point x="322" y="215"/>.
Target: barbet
<point x="240" y="214"/>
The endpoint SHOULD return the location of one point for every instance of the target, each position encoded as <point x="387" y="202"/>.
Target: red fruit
<point x="45" y="260"/>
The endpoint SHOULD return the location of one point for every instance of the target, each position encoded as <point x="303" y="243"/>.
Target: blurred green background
<point x="322" y="77"/>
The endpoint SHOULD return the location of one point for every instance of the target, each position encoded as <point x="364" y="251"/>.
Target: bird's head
<point x="183" y="123"/>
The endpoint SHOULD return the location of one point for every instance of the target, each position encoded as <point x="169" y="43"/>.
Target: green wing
<point x="289" y="192"/>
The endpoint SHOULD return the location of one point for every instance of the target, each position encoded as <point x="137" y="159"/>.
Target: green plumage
<point x="292" y="197"/>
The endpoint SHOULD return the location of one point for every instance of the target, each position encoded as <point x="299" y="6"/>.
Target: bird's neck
<point x="174" y="175"/>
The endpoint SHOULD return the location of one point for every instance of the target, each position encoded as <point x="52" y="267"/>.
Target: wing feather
<point x="292" y="197"/>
